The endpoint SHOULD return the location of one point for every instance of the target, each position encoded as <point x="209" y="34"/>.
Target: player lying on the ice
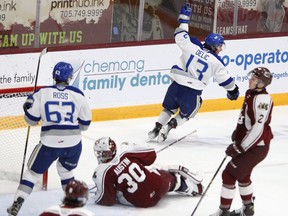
<point x="124" y="176"/>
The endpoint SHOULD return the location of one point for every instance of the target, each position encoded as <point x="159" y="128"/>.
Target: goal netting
<point x="13" y="133"/>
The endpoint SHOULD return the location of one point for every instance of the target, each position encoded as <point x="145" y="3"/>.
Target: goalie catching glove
<point x="233" y="94"/>
<point x="184" y="14"/>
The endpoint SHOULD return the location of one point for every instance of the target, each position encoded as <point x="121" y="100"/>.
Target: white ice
<point x="203" y="150"/>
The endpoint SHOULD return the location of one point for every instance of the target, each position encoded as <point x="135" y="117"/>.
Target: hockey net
<point x="14" y="134"/>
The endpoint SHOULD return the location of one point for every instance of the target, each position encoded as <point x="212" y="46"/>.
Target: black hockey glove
<point x="233" y="94"/>
<point x="28" y="103"/>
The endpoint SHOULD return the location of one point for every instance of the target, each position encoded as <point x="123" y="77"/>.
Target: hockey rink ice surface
<point x="201" y="151"/>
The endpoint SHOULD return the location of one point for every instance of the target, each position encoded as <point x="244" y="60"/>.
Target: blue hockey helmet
<point x="214" y="40"/>
<point x="63" y="72"/>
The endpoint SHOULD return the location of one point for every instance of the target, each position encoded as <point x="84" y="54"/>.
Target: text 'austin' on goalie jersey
<point x="64" y="113"/>
<point x="197" y="65"/>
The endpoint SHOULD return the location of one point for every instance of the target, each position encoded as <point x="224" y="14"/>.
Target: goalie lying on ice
<point x="124" y="177"/>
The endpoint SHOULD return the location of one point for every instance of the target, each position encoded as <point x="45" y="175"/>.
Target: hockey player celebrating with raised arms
<point x="64" y="113"/>
<point x="197" y="64"/>
<point x="251" y="140"/>
<point x="124" y="176"/>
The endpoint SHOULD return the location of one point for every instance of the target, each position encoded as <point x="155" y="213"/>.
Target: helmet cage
<point x="104" y="156"/>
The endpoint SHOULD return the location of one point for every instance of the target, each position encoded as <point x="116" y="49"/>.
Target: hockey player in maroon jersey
<point x="123" y="176"/>
<point x="251" y="140"/>
<point x="76" y="196"/>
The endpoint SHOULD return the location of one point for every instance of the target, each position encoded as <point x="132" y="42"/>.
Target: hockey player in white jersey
<point x="197" y="64"/>
<point x="64" y="113"/>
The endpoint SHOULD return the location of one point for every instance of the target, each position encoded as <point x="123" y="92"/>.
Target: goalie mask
<point x="262" y="74"/>
<point x="62" y="72"/>
<point x="76" y="193"/>
<point x="105" y="149"/>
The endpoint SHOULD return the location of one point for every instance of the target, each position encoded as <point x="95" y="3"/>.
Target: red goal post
<point x="13" y="133"/>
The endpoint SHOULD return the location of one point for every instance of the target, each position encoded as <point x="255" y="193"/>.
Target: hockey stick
<point x="78" y="70"/>
<point x="202" y="196"/>
<point x="90" y="189"/>
<point x="44" y="51"/>
<point x="172" y="143"/>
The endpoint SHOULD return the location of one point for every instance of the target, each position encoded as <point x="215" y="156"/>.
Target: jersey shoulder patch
<point x="263" y="101"/>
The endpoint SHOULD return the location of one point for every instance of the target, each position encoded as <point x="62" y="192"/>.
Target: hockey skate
<point x="246" y="210"/>
<point x="221" y="212"/>
<point x="166" y="129"/>
<point x="187" y="183"/>
<point x="154" y="133"/>
<point x="14" y="209"/>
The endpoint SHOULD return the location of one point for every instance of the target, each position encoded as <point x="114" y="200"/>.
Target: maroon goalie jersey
<point x="126" y="180"/>
<point x="253" y="124"/>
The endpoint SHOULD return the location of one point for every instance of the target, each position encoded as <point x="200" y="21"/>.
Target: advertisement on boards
<point x="130" y="76"/>
<point x="122" y="76"/>
<point x="202" y="16"/>
<point x="241" y="56"/>
<point x="61" y="23"/>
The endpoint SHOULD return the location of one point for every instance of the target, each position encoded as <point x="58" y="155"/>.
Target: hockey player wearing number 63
<point x="64" y="113"/>
<point x="251" y="141"/>
<point x="123" y="176"/>
<point x="197" y="64"/>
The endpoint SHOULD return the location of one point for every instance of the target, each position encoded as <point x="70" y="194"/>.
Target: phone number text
<point x="241" y="3"/>
<point x="2" y="17"/>
<point x="81" y="13"/>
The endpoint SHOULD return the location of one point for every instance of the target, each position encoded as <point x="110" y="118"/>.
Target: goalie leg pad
<point x="193" y="181"/>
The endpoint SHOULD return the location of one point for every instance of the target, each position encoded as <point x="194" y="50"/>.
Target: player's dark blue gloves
<point x="233" y="94"/>
<point x="184" y="14"/>
<point x="28" y="103"/>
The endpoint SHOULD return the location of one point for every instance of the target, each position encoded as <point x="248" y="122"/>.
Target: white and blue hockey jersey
<point x="197" y="65"/>
<point x="64" y="113"/>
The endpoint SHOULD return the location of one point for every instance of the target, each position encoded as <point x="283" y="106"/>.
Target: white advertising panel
<point x="128" y="76"/>
<point x="241" y="56"/>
